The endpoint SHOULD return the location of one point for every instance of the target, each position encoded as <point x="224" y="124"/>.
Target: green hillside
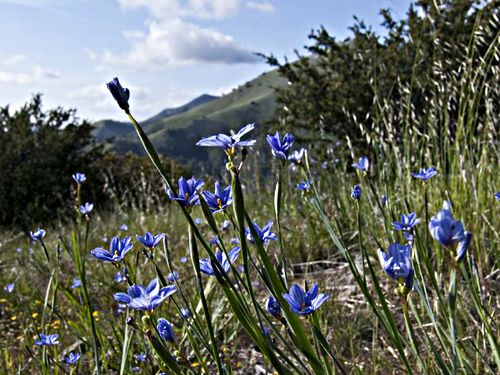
<point x="106" y="129"/>
<point x="175" y="135"/>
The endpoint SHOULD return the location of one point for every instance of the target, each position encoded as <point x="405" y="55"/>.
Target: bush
<point x="42" y="149"/>
<point x="40" y="152"/>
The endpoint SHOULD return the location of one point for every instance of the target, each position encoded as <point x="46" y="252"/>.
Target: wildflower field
<point x="340" y="260"/>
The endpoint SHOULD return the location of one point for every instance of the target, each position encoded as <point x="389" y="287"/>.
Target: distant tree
<point x="339" y="85"/>
<point x="40" y="152"/>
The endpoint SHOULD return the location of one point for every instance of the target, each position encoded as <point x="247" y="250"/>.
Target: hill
<point x="106" y="129"/>
<point x="174" y="132"/>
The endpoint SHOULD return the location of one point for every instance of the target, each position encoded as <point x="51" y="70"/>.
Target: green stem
<point x="411" y="334"/>
<point x="452" y="301"/>
<point x="195" y="259"/>
<point x="277" y="210"/>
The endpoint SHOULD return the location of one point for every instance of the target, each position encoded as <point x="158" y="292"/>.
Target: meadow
<point x="339" y="260"/>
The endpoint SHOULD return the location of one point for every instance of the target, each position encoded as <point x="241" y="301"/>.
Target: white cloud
<point x="37" y="74"/>
<point x="172" y="37"/>
<point x="201" y="9"/>
<point x="176" y="42"/>
<point x="264" y="7"/>
<point x="14" y="59"/>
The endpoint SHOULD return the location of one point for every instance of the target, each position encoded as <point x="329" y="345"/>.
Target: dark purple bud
<point x="120" y="94"/>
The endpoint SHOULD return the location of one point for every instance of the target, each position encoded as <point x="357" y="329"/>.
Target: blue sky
<point x="166" y="51"/>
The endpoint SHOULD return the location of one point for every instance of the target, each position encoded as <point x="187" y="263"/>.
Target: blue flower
<point x="79" y="178"/>
<point x="218" y="200"/>
<point x="9" y="288"/>
<point x="198" y="221"/>
<point x="497" y="196"/>
<point x="118" y="250"/>
<point x="183" y="259"/>
<point x="76" y="283"/>
<point x="397" y="264"/>
<point x="141" y="357"/>
<point x="273" y="307"/>
<point x="150" y="240"/>
<point x="264" y="234"/>
<point x="304" y="303"/>
<point x="356" y="193"/>
<point x="206" y="264"/>
<point x="363" y="164"/>
<point x="188" y="192"/>
<point x="123" y="227"/>
<point x="231" y="143"/>
<point x="280" y="147"/>
<point x="296" y="156"/>
<point x="47" y="340"/>
<point x="407" y="222"/>
<point x="172" y="276"/>
<point x="166" y="330"/>
<point x="145" y="298"/>
<point x="266" y="331"/>
<point x="304" y="186"/>
<point x="120" y="94"/>
<point x="86" y="208"/>
<point x="383" y="199"/>
<point x="185" y="313"/>
<point x="71" y="358"/>
<point x="449" y="232"/>
<point x="408" y="237"/>
<point x="214" y="241"/>
<point x="226" y="224"/>
<point x="119" y="277"/>
<point x="37" y="235"/>
<point x="425" y="174"/>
